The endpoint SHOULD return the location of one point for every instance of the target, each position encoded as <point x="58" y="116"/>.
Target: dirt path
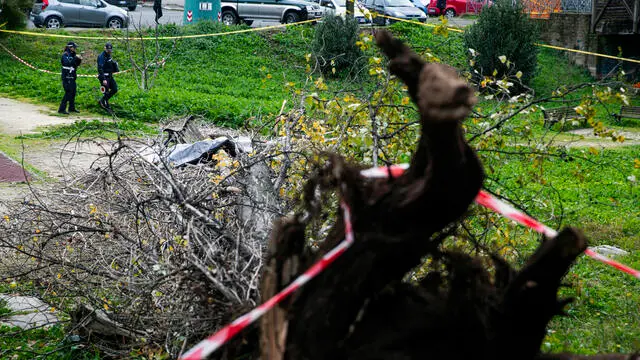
<point x="590" y="140"/>
<point x="19" y="117"/>
<point x="55" y="158"/>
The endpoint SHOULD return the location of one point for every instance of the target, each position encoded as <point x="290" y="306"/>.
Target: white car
<point x="339" y="8"/>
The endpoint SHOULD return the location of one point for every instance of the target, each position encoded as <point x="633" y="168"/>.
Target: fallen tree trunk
<point x="359" y="308"/>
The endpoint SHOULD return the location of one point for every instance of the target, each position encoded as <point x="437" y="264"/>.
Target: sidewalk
<point x="176" y="5"/>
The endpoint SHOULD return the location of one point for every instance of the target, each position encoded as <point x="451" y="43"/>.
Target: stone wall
<point x="571" y="31"/>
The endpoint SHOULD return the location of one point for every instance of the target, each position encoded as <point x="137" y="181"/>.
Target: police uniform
<point x="106" y="68"/>
<point x="70" y="62"/>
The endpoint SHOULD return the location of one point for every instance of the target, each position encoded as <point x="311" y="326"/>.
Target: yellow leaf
<point x="593" y="150"/>
<point x="495" y="72"/>
<point x="503" y="59"/>
<point x="59" y="276"/>
<point x="405" y="100"/>
<point x="519" y="74"/>
<point x="106" y="307"/>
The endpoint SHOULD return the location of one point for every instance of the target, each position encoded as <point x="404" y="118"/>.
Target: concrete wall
<point x="571" y="31"/>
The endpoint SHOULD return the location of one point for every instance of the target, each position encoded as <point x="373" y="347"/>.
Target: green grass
<point x="233" y="78"/>
<point x="220" y="78"/>
<point x="49" y="343"/>
<point x="91" y="128"/>
<point x="593" y="193"/>
<point x="554" y="71"/>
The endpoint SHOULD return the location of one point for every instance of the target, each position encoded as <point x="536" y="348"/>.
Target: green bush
<point x="335" y="46"/>
<point x="13" y="12"/>
<point x="504" y="30"/>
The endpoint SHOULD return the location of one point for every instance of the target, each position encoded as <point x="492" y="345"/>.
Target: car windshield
<point x="341" y="3"/>
<point x="398" y="3"/>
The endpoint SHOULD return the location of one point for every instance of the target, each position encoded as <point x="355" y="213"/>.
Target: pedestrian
<point x="106" y="68"/>
<point x="441" y="5"/>
<point x="157" y="7"/>
<point x="70" y="62"/>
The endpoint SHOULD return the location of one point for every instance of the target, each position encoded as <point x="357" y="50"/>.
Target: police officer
<point x="106" y="67"/>
<point x="70" y="62"/>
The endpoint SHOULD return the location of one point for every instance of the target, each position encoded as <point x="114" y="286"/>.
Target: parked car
<point x="402" y="9"/>
<point x="458" y="7"/>
<point x="420" y="5"/>
<point x="129" y="4"/>
<point x="88" y="13"/>
<point x="285" y="11"/>
<point x="339" y="8"/>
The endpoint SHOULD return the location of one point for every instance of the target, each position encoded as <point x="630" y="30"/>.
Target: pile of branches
<point x="138" y="251"/>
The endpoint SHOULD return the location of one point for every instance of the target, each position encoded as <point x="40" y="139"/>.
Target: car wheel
<point x="53" y="22"/>
<point x="449" y="13"/>
<point x="133" y="7"/>
<point x="114" y="23"/>
<point x="291" y="17"/>
<point x="229" y="17"/>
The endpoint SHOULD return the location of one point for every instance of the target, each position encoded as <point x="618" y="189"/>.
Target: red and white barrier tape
<point x="215" y="341"/>
<point x="161" y="63"/>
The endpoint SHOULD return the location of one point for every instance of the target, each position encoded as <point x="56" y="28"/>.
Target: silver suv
<point x="89" y="13"/>
<point x="284" y="11"/>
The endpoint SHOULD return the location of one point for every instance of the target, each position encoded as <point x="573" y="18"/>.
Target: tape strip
<point x="537" y="44"/>
<point x="161" y="63"/>
<point x="215" y="341"/>
<point x="31" y="33"/>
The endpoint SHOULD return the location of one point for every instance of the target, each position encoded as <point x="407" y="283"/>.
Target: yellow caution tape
<point x="537" y="44"/>
<point x="5" y="23"/>
<point x="589" y="53"/>
<point x="31" y="33"/>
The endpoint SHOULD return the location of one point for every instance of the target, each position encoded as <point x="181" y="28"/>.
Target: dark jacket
<point x="70" y="63"/>
<point x="106" y="66"/>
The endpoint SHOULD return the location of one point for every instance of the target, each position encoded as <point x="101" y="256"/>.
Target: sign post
<point x="196" y="10"/>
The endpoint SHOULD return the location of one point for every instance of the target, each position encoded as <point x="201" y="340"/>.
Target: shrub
<point x="13" y="12"/>
<point x="335" y="46"/>
<point x="504" y="30"/>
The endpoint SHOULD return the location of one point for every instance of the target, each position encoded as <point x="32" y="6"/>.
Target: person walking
<point x="106" y="68"/>
<point x="441" y="5"/>
<point x="70" y="62"/>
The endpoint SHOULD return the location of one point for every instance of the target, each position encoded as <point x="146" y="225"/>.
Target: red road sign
<point x="189" y="16"/>
<point x="219" y="16"/>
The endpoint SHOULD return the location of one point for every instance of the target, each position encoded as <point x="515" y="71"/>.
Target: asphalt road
<point x="144" y="16"/>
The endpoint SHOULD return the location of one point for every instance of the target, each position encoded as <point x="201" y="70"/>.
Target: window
<point x="69" y="1"/>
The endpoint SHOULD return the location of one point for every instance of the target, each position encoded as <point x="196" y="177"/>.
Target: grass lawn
<point x="232" y="79"/>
